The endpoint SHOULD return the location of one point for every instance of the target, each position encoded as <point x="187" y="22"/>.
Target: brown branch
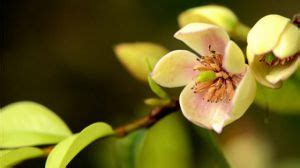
<point x="155" y="115"/>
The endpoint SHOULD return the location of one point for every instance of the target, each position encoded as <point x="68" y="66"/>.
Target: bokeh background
<point x="60" y="53"/>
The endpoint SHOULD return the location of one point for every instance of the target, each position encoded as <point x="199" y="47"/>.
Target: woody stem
<point x="148" y="120"/>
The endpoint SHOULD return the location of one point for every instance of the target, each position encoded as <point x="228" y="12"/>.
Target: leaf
<point x="116" y="152"/>
<point x="134" y="56"/>
<point x="28" y="123"/>
<point x="12" y="157"/>
<point x="284" y="100"/>
<point x="126" y="148"/>
<point x="157" y="89"/>
<point x="166" y="144"/>
<point x="66" y="150"/>
<point x="210" y="153"/>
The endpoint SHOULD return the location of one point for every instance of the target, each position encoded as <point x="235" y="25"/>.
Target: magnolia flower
<point x="273" y="49"/>
<point x="219" y="85"/>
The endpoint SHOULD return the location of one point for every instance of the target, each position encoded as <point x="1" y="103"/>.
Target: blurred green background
<point x="60" y="53"/>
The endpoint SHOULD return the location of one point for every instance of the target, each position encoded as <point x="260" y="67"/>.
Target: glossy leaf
<point x="117" y="152"/>
<point x="166" y="144"/>
<point x="210" y="154"/>
<point x="28" y="123"/>
<point x="126" y="149"/>
<point x="12" y="157"/>
<point x="284" y="100"/>
<point x="66" y="150"/>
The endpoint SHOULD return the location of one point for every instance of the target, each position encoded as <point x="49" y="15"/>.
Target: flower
<point x="273" y="49"/>
<point x="219" y="84"/>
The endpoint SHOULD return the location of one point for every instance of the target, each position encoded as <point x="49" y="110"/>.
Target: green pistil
<point x="206" y="76"/>
<point x="269" y="58"/>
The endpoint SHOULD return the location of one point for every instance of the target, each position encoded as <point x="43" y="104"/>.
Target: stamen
<point x="208" y="95"/>
<point x="229" y="89"/>
<point x="200" y="87"/>
<point x="215" y="83"/>
<point x="271" y="60"/>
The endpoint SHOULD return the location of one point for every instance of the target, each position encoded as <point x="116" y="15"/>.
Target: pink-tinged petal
<point x="261" y="70"/>
<point x="175" y="69"/>
<point x="233" y="60"/>
<point x="282" y="72"/>
<point x="202" y="113"/>
<point x="244" y="95"/>
<point x="199" y="36"/>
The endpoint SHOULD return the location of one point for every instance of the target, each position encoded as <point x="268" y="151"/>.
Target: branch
<point x="154" y="116"/>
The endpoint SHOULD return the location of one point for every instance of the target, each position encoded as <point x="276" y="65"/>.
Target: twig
<point x="155" y="115"/>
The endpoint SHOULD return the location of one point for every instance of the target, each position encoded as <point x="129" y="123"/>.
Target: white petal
<point x="281" y="73"/>
<point x="202" y="113"/>
<point x="244" y="96"/>
<point x="199" y="36"/>
<point x="175" y="69"/>
<point x="265" y="34"/>
<point x="289" y="42"/>
<point x="234" y="60"/>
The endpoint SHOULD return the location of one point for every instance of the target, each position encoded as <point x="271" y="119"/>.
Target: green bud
<point x="206" y="76"/>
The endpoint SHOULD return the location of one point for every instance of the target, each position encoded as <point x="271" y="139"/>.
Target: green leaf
<point x="126" y="149"/>
<point x="284" y="100"/>
<point x="157" y="89"/>
<point x="116" y="152"/>
<point x="66" y="150"/>
<point x="165" y="145"/>
<point x="134" y="56"/>
<point x="12" y="157"/>
<point x="211" y="153"/>
<point x="28" y="123"/>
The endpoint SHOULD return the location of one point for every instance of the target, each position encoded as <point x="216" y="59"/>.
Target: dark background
<point x="59" y="52"/>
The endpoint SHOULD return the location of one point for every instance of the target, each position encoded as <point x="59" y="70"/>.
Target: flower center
<point x="217" y="87"/>
<point x="271" y="60"/>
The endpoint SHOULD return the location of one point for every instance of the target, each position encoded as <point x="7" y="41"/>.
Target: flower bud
<point x="137" y="57"/>
<point x="212" y="14"/>
<point x="273" y="49"/>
